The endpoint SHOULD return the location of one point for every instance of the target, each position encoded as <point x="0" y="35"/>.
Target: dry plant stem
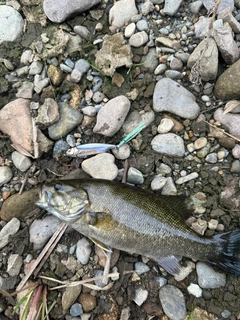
<point x="25" y="180"/>
<point x="49" y="250"/>
<point x="34" y="137"/>
<point x="107" y="266"/>
<point x="223" y="131"/>
<point x="60" y="229"/>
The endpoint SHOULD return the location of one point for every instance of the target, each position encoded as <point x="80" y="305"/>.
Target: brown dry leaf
<point x="231" y="105"/>
<point x="23" y="151"/>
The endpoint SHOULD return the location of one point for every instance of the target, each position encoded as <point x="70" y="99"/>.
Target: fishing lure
<point x="90" y="149"/>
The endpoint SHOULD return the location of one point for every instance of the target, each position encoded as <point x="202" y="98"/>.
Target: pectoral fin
<point x="170" y="264"/>
<point x="101" y="245"/>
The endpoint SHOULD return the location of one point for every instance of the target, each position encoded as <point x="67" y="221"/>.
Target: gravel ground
<point x="62" y="75"/>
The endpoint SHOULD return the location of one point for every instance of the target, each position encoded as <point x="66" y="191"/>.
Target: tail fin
<point x="228" y="247"/>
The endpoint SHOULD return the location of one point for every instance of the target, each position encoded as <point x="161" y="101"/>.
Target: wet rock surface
<point x="77" y="72"/>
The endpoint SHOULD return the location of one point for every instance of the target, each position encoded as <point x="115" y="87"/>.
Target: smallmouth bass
<point x="137" y="221"/>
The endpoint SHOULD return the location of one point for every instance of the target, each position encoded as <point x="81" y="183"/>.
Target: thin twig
<point x="25" y="180"/>
<point x="61" y="228"/>
<point x="223" y="131"/>
<point x="49" y="251"/>
<point x="107" y="266"/>
<point x="34" y="138"/>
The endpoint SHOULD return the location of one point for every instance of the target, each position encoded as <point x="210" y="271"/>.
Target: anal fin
<point x="170" y="264"/>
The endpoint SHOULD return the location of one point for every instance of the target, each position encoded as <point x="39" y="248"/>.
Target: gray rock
<point x="206" y="55"/>
<point x="142" y="25"/>
<point x="5" y="175"/>
<point x="25" y="91"/>
<point x="41" y="230"/>
<point x="39" y="85"/>
<point x="167" y="92"/>
<point x="121" y="13"/>
<point x="70" y="296"/>
<point x="82" y="31"/>
<point x="212" y="157"/>
<point x="173" y="302"/>
<point x="169" y="188"/>
<point x="122" y="153"/>
<point x="138" y="39"/>
<point x="158" y="183"/>
<point x="101" y="166"/>
<point x="21" y="162"/>
<point x="59" y="147"/>
<point x="11" y="24"/>
<point x="160" y="69"/>
<point x="201" y="27"/>
<point x="82" y="65"/>
<point x="60" y="11"/>
<point x="98" y="97"/>
<point x="171" y="7"/>
<point x="26" y="56"/>
<point x="235" y="167"/>
<point x="209" y="4"/>
<point x="147" y="7"/>
<point x="226" y="44"/>
<point x="173" y="74"/>
<point x="83" y="250"/>
<point x="208" y="278"/>
<point x="76" y="310"/>
<point x="134" y="176"/>
<point x="111" y="116"/>
<point x="195" y="6"/>
<point x="14" y="264"/>
<point x="187" y="178"/>
<point x="230" y="120"/>
<point x="35" y="67"/>
<point x="89" y="111"/>
<point x="150" y="60"/>
<point x="48" y="113"/>
<point x="140" y="296"/>
<point x="9" y="229"/>
<point x="168" y="144"/>
<point x="141" y="268"/>
<point x="99" y="283"/>
<point x="69" y="118"/>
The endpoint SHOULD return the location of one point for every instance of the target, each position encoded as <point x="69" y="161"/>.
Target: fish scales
<point x="137" y="221"/>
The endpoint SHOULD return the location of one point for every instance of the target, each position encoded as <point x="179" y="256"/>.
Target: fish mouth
<point x="65" y="213"/>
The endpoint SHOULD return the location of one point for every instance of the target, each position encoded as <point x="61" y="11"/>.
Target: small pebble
<point x="83" y="250"/>
<point x="21" y="162"/>
<point x="134" y="176"/>
<point x="141" y="268"/>
<point x="165" y="125"/>
<point x="140" y="296"/>
<point x="158" y="183"/>
<point x="208" y="278"/>
<point x="195" y="290"/>
<point x="212" y="158"/>
<point x="76" y="310"/>
<point x="5" y="175"/>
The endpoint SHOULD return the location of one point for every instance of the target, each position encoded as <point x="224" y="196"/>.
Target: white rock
<point x="138" y="39"/>
<point x="130" y="29"/>
<point x="165" y="125"/>
<point x="11" y="24"/>
<point x="158" y="183"/>
<point x="187" y="178"/>
<point x="101" y="166"/>
<point x="195" y="290"/>
<point x="123" y="152"/>
<point x="140" y="296"/>
<point x="83" y="250"/>
<point x="121" y="13"/>
<point x="14" y="264"/>
<point x="9" y="229"/>
<point x="5" y="175"/>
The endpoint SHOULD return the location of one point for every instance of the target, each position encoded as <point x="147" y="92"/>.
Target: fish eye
<point x="58" y="187"/>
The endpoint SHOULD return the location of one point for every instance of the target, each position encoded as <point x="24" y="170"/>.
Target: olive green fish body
<point x="133" y="220"/>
